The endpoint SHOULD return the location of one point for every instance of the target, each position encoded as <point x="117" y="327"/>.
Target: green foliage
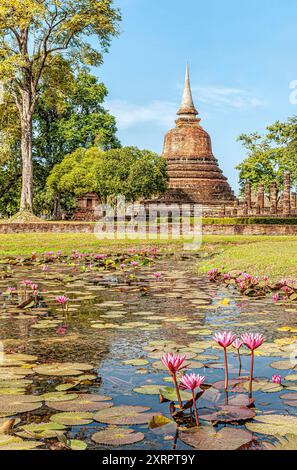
<point x="127" y="171"/>
<point x="269" y="156"/>
<point x="69" y="115"/>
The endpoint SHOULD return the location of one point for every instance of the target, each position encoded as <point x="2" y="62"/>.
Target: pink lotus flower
<point x="26" y="282"/>
<point x="62" y="299"/>
<point x="34" y="287"/>
<point x="276" y="297"/>
<point x="134" y="263"/>
<point x="237" y="343"/>
<point x="157" y="275"/>
<point x="62" y="330"/>
<point x="252" y="340"/>
<point x="276" y="379"/>
<point x="224" y="339"/>
<point x="11" y="290"/>
<point x="191" y="381"/>
<point x="173" y="363"/>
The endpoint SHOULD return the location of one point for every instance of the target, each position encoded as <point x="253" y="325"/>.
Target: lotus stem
<point x="239" y="360"/>
<point x="226" y="369"/>
<point x="251" y="373"/>
<point x="195" y="408"/>
<point x="177" y="390"/>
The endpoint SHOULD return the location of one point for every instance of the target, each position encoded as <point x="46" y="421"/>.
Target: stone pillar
<point x="287" y="194"/>
<point x="261" y="198"/>
<point x="248" y="195"/>
<point x="235" y="207"/>
<point x="273" y="199"/>
<point x="293" y="200"/>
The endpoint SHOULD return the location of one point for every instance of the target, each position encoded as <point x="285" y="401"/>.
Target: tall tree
<point x="32" y="32"/>
<point x="69" y="114"/>
<point x="270" y="155"/>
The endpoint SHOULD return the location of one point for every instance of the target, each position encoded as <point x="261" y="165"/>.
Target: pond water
<point x="136" y="314"/>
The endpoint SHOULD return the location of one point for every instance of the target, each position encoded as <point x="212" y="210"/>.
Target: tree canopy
<point x="127" y="171"/>
<point x="69" y="114"/>
<point x="270" y="155"/>
<point x="32" y="34"/>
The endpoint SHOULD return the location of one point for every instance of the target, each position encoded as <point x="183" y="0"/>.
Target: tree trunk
<point x="26" y="150"/>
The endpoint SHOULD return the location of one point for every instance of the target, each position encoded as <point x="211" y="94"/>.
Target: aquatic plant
<point x="276" y="379"/>
<point x="252" y="341"/>
<point x="174" y="363"/>
<point x="63" y="301"/>
<point x="225" y="339"/>
<point x="191" y="382"/>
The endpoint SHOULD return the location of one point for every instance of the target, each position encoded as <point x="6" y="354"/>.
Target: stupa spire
<point x="187" y="109"/>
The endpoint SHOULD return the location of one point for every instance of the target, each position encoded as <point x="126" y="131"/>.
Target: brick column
<point x="287" y="194"/>
<point x="248" y="195"/>
<point x="273" y="198"/>
<point x="261" y="196"/>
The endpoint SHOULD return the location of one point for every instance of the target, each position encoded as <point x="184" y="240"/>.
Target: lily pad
<point x="62" y="369"/>
<point x="230" y="413"/>
<point x="117" y="436"/>
<point x="16" y="443"/>
<point x="83" y="402"/>
<point x="41" y="430"/>
<point x="72" y="418"/>
<point x="124" y="415"/>
<point x="136" y="362"/>
<point x="169" y="393"/>
<point x="274" y="424"/>
<point x="148" y="389"/>
<point x="14" y="404"/>
<point x="206" y="438"/>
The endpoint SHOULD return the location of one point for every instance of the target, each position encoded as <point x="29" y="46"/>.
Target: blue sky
<point x="242" y="58"/>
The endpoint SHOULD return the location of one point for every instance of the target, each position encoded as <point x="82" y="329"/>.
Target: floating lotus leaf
<point x="159" y="424"/>
<point x="282" y="365"/>
<point x="230" y="413"/>
<point x="124" y="415"/>
<point x="263" y="386"/>
<point x="274" y="424"/>
<point x="12" y="391"/>
<point x="288" y="442"/>
<point x="117" y="436"/>
<point x="16" y="443"/>
<point x="103" y="326"/>
<point x="84" y="402"/>
<point x="72" y="418"/>
<point x="233" y="383"/>
<point x="62" y="369"/>
<point x="58" y="396"/>
<point x="14" y="404"/>
<point x="241" y="400"/>
<point x="206" y="438"/>
<point x="41" y="430"/>
<point x="169" y="393"/>
<point x="148" y="389"/>
<point x="76" y="444"/>
<point x="291" y="377"/>
<point x="14" y="383"/>
<point x="14" y="372"/>
<point x="136" y="362"/>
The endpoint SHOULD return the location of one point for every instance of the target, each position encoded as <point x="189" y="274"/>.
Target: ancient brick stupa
<point x="193" y="170"/>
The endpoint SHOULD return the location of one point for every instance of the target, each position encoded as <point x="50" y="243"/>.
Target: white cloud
<point x="224" y="96"/>
<point x="163" y="113"/>
<point x="128" y="114"/>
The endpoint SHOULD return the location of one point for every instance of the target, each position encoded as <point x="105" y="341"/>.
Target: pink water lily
<point x="225" y="339"/>
<point x="252" y="341"/>
<point x="276" y="379"/>
<point x="174" y="363"/>
<point x="157" y="275"/>
<point x="191" y="382"/>
<point x="237" y="343"/>
<point x="63" y="300"/>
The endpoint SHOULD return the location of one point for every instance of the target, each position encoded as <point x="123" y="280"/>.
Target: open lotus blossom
<point x="276" y="379"/>
<point x="275" y="298"/>
<point x="191" y="382"/>
<point x="174" y="363"/>
<point x="252" y="341"/>
<point x="10" y="290"/>
<point x="63" y="300"/>
<point x="26" y="282"/>
<point x="225" y="339"/>
<point x="157" y="275"/>
<point x="34" y="287"/>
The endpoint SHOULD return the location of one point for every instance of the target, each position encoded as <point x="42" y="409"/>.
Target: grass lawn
<point x="275" y="256"/>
